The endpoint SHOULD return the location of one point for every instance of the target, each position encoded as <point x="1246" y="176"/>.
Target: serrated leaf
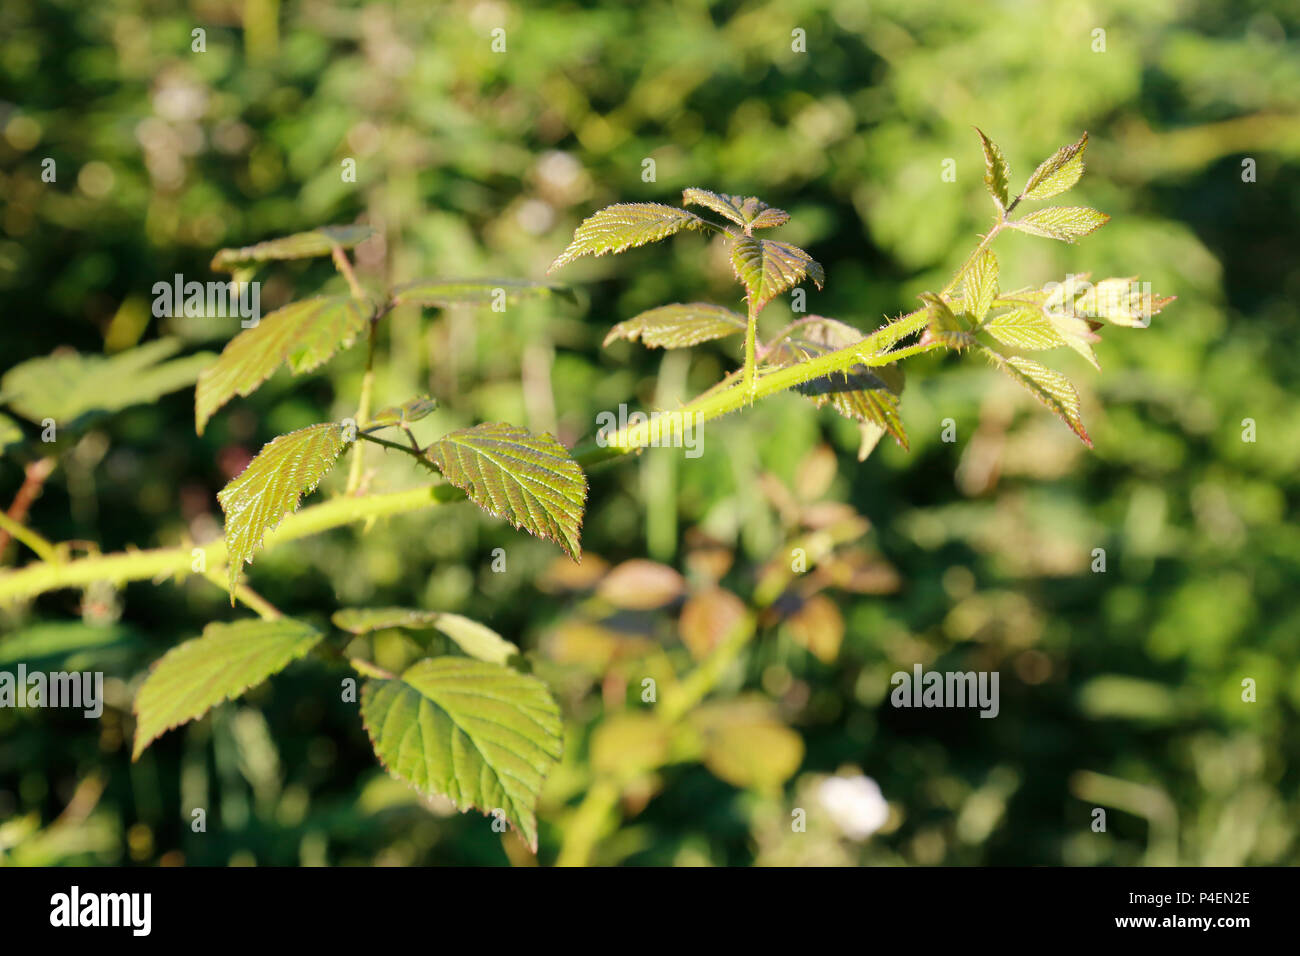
<point x="868" y="394"/>
<point x="411" y="410"/>
<point x="191" y="679"/>
<point x="1066" y="223"/>
<point x="66" y="385"/>
<point x="1058" y="172"/>
<point x="477" y="640"/>
<point x="1048" y="386"/>
<point x="623" y="226"/>
<point x="1077" y="335"/>
<point x="981" y="285"/>
<point x="944" y="325"/>
<point x="1121" y="301"/>
<point x="997" y="173"/>
<point x="271" y="486"/>
<point x="678" y="326"/>
<point x="767" y="268"/>
<point x="301" y="245"/>
<point x="1024" y="328"/>
<point x="440" y="293"/>
<point x="304" y="334"/>
<point x="480" y="734"/>
<point x="530" y="480"/>
<point x="749" y="212"/>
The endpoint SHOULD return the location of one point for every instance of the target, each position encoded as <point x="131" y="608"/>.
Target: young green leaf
<point x="440" y="293"/>
<point x="192" y="678"/>
<point x="67" y="385"/>
<point x="750" y="213"/>
<point x="1066" y="223"/>
<point x="1121" y="301"/>
<point x="475" y="639"/>
<point x="478" y="733"/>
<point x="302" y="245"/>
<point x="678" y="326"/>
<point x="10" y="432"/>
<point x="1048" y="386"/>
<point x="944" y="325"/>
<point x="271" y="486"/>
<point x="867" y="394"/>
<point x="981" y="285"/>
<point x="767" y="268"/>
<point x="1058" y="172"/>
<point x="1024" y="328"/>
<point x="530" y="480"/>
<point x="411" y="410"/>
<point x="623" y="226"/>
<point x="996" y="171"/>
<point x="305" y="334"/>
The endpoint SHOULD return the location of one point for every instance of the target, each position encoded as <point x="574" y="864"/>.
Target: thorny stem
<point x="344" y="266"/>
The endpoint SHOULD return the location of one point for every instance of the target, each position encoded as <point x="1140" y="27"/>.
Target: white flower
<point x="855" y="804"/>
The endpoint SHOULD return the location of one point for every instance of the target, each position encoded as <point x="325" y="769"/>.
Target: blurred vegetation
<point x="1119" y="689"/>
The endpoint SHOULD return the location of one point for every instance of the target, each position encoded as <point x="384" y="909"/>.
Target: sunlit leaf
<point x="623" y="226"/>
<point x="1048" y="386"/>
<point x="1066" y="223"/>
<point x="1121" y="301"/>
<point x="480" y="734"/>
<point x="66" y="385"/>
<point x="227" y="660"/>
<point x="981" y="285"/>
<point x="679" y="326"/>
<point x="530" y="480"/>
<point x="441" y="293"/>
<point x="767" y="268"/>
<point x="818" y="627"/>
<point x="475" y="639"/>
<point x="1024" y="328"/>
<point x="944" y="325"/>
<point x="271" y="486"/>
<point x="749" y="212"/>
<point x="302" y="245"/>
<point x="627" y="744"/>
<point x="305" y="334"/>
<point x="1058" y="172"/>
<point x="996" y="171"/>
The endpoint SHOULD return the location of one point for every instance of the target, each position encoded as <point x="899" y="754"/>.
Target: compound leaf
<point x="767" y="268"/>
<point x="1066" y="223"/>
<point x="304" y="334"/>
<point x="192" y="678"/>
<point x="1024" y="328"/>
<point x="66" y="385"/>
<point x="530" y="480"/>
<point x="301" y="245"/>
<point x="868" y="394"/>
<point x="749" y="212"/>
<point x="1121" y="301"/>
<point x="623" y="226"/>
<point x="1058" y="172"/>
<point x="271" y="486"/>
<point x="678" y="326"/>
<point x="480" y="734"/>
<point x="996" y="171"/>
<point x="441" y="293"/>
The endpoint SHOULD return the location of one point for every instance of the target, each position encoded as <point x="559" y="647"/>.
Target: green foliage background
<point x="1119" y="690"/>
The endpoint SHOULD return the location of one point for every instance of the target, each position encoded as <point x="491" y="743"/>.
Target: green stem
<point x="751" y="334"/>
<point x="363" y="412"/>
<point x="16" y="529"/>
